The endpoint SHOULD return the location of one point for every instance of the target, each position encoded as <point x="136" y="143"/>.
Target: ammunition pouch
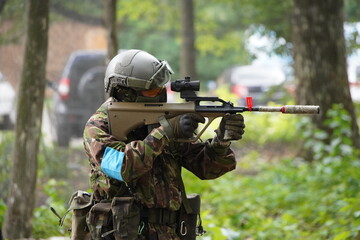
<point x="126" y="218"/>
<point x="99" y="220"/>
<point x="189" y="224"/>
<point x="119" y="219"/>
<point x="160" y="216"/>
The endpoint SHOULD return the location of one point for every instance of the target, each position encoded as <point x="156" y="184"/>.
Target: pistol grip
<point x="197" y="136"/>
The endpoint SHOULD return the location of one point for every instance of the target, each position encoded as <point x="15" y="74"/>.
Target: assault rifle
<point x="127" y="116"/>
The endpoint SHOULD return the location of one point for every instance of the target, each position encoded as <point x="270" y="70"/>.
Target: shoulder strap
<point x="185" y="201"/>
<point x="177" y="167"/>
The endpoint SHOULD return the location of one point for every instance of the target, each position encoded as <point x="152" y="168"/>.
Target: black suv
<point x="80" y="92"/>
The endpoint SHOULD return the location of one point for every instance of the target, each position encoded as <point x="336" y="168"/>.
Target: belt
<point x="159" y="215"/>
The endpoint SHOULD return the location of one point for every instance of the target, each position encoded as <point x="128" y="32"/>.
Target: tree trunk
<point x="187" y="52"/>
<point x="320" y="59"/>
<point x="21" y="199"/>
<point x="2" y="5"/>
<point x="110" y="23"/>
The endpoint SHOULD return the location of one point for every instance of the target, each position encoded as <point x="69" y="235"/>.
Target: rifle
<point x="127" y="116"/>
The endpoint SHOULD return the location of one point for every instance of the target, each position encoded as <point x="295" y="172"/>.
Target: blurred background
<point x="237" y="49"/>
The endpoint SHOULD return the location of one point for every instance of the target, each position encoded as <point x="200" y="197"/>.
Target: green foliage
<point x="92" y="8"/>
<point x="6" y="146"/>
<point x="222" y="26"/>
<point x="2" y="211"/>
<point x="340" y="147"/>
<point x="219" y="36"/>
<point x="12" y="21"/>
<point x="291" y="199"/>
<point x="288" y="199"/>
<point x="6" y="142"/>
<point x="277" y="21"/>
<point x="352" y="10"/>
<point x="269" y="127"/>
<point x="46" y="224"/>
<point x="52" y="164"/>
<point x="261" y="128"/>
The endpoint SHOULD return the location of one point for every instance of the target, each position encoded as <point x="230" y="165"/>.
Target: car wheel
<point x="63" y="135"/>
<point x="7" y="124"/>
<point x="91" y="88"/>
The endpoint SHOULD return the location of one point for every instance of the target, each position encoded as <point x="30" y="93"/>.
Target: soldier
<point x="142" y="176"/>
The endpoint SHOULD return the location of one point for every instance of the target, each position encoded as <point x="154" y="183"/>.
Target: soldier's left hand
<point x="183" y="126"/>
<point x="231" y="128"/>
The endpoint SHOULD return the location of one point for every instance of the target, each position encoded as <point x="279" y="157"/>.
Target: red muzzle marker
<point x="249" y="103"/>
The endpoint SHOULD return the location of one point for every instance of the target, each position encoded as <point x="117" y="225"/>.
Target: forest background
<point x="275" y="192"/>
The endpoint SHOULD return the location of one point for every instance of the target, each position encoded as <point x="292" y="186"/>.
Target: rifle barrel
<point x="290" y="109"/>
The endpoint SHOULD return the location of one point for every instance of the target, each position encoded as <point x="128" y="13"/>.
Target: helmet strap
<point x="123" y="94"/>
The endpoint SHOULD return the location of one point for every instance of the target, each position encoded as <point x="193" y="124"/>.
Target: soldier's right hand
<point x="183" y="126"/>
<point x="231" y="128"/>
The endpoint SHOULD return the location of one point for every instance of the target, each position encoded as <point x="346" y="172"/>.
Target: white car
<point x="7" y="104"/>
<point x="355" y="91"/>
<point x="263" y="83"/>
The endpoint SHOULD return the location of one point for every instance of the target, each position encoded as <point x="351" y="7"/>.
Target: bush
<point x="291" y="199"/>
<point x="52" y="165"/>
<point x="46" y="224"/>
<point x="287" y="199"/>
<point x="262" y="128"/>
<point x="6" y="146"/>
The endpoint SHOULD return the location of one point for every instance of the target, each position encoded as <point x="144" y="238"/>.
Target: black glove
<point x="231" y="128"/>
<point x="183" y="126"/>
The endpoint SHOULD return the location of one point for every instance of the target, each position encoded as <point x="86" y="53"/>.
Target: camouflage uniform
<point x="151" y="166"/>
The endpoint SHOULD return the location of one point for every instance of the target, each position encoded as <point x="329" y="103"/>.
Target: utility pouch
<point x="126" y="218"/>
<point x="80" y="204"/>
<point x="190" y="224"/>
<point x="99" y="221"/>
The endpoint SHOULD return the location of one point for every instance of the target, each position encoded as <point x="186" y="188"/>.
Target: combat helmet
<point x="134" y="71"/>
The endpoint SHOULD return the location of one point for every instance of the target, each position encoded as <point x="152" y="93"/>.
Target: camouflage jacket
<point x="152" y="164"/>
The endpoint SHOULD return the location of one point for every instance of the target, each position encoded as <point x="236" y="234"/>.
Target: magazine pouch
<point x="99" y="221"/>
<point x="126" y="218"/>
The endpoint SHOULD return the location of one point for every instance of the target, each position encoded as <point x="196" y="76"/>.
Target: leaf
<point x="342" y="236"/>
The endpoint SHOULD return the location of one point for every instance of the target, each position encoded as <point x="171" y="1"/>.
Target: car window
<point x="256" y="76"/>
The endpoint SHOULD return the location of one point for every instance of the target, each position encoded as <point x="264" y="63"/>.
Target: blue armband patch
<point x="112" y="162"/>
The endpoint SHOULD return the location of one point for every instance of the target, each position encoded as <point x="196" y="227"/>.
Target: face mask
<point x="162" y="97"/>
<point x="129" y="95"/>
